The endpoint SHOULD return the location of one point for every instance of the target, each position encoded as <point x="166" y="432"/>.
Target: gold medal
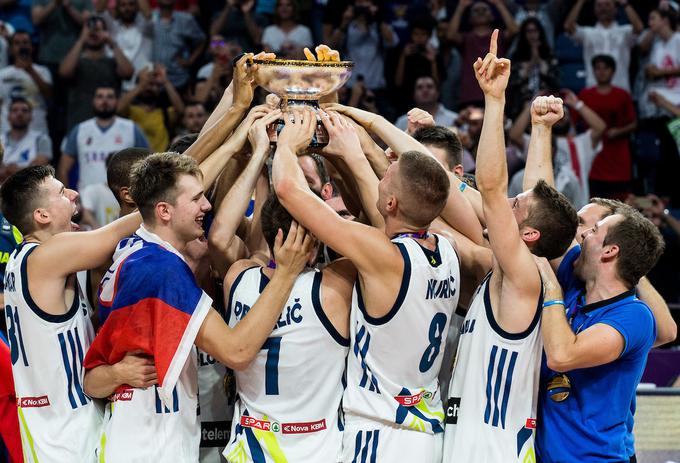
<point x="559" y="387"/>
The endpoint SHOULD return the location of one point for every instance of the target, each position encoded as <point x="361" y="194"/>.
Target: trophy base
<point x="320" y="137"/>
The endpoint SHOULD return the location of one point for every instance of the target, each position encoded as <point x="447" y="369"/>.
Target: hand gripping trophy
<point x="303" y="82"/>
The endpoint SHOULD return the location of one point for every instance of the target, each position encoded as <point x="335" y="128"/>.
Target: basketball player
<point x="289" y="397"/>
<point x="158" y="308"/>
<point x="402" y="302"/>
<point x="491" y="411"/>
<point x="48" y="324"/>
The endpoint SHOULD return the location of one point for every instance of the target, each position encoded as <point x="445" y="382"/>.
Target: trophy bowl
<point x="300" y="82"/>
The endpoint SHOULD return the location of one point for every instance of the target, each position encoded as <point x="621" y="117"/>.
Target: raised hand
<point x="323" y="53"/>
<point x="492" y="72"/>
<point x="257" y="134"/>
<point x="418" y="118"/>
<point x="299" y="128"/>
<point x="546" y="110"/>
<point x="243" y="81"/>
<point x="343" y="137"/>
<point x="292" y="254"/>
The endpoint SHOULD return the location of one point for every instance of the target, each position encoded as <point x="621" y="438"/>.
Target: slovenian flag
<point x="155" y="308"/>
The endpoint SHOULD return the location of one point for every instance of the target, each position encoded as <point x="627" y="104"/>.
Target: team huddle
<point x="409" y="317"/>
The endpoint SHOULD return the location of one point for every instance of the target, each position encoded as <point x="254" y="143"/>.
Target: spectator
<point x="572" y="153"/>
<point x="178" y="42"/>
<point x="188" y="6"/>
<point x="533" y="67"/>
<point x="18" y="14"/>
<point x="548" y="13"/>
<point x="418" y="58"/>
<point x="214" y="77"/>
<point x="58" y="23"/>
<point x="237" y="22"/>
<point x="23" y="146"/>
<point x="475" y="43"/>
<point x="606" y="37"/>
<point x="146" y="106"/>
<point x="366" y="37"/>
<point x="611" y="172"/>
<point x="27" y="80"/>
<point x="193" y="120"/>
<point x="663" y="70"/>
<point x="132" y="30"/>
<point x="287" y="37"/>
<point x="426" y="96"/>
<point x="4" y="43"/>
<point x="91" y="142"/>
<point x="469" y="125"/>
<point x="88" y="67"/>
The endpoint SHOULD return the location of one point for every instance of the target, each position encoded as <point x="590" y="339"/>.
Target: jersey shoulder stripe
<point x="323" y="318"/>
<point x="403" y="289"/>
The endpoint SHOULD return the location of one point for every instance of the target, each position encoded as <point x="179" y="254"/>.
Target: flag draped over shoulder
<point x="156" y="308"/>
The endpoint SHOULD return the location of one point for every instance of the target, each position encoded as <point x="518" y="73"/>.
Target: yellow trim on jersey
<point x="27" y="434"/>
<point x="271" y="444"/>
<point x="102" y="448"/>
<point x="238" y="455"/>
<point x="530" y="457"/>
<point x="422" y="406"/>
<point x="18" y="237"/>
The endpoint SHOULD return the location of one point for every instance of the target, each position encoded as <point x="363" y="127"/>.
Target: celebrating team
<point x="360" y="309"/>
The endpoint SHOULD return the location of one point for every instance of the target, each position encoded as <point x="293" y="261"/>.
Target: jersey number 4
<point x="271" y="369"/>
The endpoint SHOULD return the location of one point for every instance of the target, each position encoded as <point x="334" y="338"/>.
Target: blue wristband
<point x="462" y="186"/>
<point x="555" y="302"/>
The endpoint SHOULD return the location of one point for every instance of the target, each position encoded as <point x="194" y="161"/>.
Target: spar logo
<point x="33" y="402"/>
<point x="413" y="400"/>
<point x="250" y="422"/>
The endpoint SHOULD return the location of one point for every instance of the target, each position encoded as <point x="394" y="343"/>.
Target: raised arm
<point x="68" y="66"/>
<point x="226" y="247"/>
<point x="666" y="328"/>
<point x="596" y="124"/>
<point x="453" y="31"/>
<point x="633" y="18"/>
<point x="546" y="111"/>
<point x="71" y="252"/>
<point x="511" y="253"/>
<point x="237" y="347"/>
<point x="571" y="22"/>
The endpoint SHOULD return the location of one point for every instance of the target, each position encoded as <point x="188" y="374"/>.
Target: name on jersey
<point x="291" y="314"/>
<point x="96" y="156"/>
<point x="283" y="428"/>
<point x="452" y="409"/>
<point x="468" y="326"/>
<point x="4" y="257"/>
<point x="33" y="402"/>
<point x="10" y="280"/>
<point x="441" y="289"/>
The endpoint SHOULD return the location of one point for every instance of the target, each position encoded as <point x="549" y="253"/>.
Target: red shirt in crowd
<point x="614" y="162"/>
<point x="180" y="5"/>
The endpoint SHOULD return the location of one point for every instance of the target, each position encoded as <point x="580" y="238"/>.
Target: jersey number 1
<point x="271" y="369"/>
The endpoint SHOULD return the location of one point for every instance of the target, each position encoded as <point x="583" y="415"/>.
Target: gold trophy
<point x="301" y="82"/>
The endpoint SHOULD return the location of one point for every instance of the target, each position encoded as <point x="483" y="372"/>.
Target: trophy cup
<point x="300" y="82"/>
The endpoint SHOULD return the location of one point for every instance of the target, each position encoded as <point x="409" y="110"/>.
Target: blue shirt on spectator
<point x="592" y="424"/>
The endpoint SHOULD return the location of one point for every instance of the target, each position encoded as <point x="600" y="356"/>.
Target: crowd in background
<point x="149" y="71"/>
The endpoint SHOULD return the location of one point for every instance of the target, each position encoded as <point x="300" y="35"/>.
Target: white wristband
<point x="579" y="105"/>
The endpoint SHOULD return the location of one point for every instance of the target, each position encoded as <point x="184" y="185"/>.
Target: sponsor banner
<point x="215" y="433"/>
<point x="531" y="423"/>
<point x="250" y="422"/>
<point x="413" y="400"/>
<point x="452" y="408"/>
<point x="33" y="402"/>
<point x="303" y="428"/>
<point x="124" y="395"/>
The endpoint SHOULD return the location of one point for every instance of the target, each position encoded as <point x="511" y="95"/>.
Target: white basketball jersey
<point x="491" y="407"/>
<point x="289" y="397"/>
<point x="394" y="361"/>
<point x="139" y="428"/>
<point x="58" y="421"/>
<point x="23" y="152"/>
<point x="95" y="145"/>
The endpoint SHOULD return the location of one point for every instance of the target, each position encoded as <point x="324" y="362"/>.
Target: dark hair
<point x="154" y="179"/>
<point x="119" y="165"/>
<point x="296" y="14"/>
<point x="640" y="245"/>
<point x="320" y="167"/>
<point x="667" y="14"/>
<point x="424" y="188"/>
<point x="183" y="143"/>
<point x="423" y="22"/>
<point x="20" y="99"/>
<point x="554" y="217"/>
<point x="274" y="216"/>
<point x="22" y="193"/>
<point x="523" y="49"/>
<point x="19" y="32"/>
<point x="607" y="60"/>
<point x="443" y="138"/>
<point x="116" y="90"/>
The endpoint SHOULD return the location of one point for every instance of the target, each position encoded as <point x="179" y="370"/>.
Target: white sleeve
<point x="586" y="151"/>
<point x="581" y="33"/>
